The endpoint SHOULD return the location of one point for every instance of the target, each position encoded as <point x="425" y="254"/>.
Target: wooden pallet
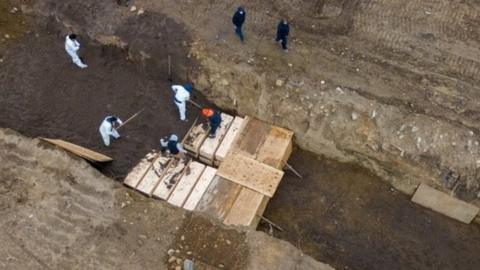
<point x="250" y="155"/>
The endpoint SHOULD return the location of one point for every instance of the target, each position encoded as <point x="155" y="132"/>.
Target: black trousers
<point x="284" y="41"/>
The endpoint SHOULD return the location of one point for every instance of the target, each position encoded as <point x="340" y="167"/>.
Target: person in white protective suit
<point x="72" y="46"/>
<point x="107" y="129"/>
<point x="182" y="94"/>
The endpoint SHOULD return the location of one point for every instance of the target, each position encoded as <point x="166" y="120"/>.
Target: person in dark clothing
<point x="172" y="145"/>
<point x="123" y="2"/>
<point x="238" y="20"/>
<point x="283" y="30"/>
<point x="214" y="120"/>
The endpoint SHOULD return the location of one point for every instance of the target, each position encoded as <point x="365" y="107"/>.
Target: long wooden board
<point x="186" y="183"/>
<point x="210" y="145"/>
<point x="244" y="210"/>
<point x="219" y="198"/>
<point x="195" y="138"/>
<point x="250" y="173"/>
<point x="79" y="150"/>
<point x="153" y="175"/>
<point x="253" y="133"/>
<point x="137" y="173"/>
<point x="444" y="204"/>
<point x="227" y="141"/>
<point x="276" y="148"/>
<point x="202" y="184"/>
<point x="170" y="179"/>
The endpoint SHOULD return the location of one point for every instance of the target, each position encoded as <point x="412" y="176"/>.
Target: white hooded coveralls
<point x="181" y="97"/>
<point x="106" y="130"/>
<point x="72" y="46"/>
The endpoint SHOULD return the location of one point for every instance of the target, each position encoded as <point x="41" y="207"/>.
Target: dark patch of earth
<point x="43" y="94"/>
<point x="343" y="215"/>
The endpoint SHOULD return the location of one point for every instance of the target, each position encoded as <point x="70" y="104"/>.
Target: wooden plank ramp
<point x="250" y="155"/>
<point x="202" y="184"/>
<point x="185" y="186"/>
<point x="244" y="211"/>
<point x="136" y="174"/>
<point x="79" y="150"/>
<point x="276" y="148"/>
<point x="153" y="175"/>
<point x="195" y="138"/>
<point x="444" y="204"/>
<point x="250" y="173"/>
<point x="219" y="198"/>
<point x="210" y="145"/>
<point x="170" y="178"/>
<point x="228" y="140"/>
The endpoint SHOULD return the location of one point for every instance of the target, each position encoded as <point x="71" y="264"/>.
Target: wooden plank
<point x="186" y="183"/>
<point x="202" y="184"/>
<point x="276" y="148"/>
<point x="250" y="173"/>
<point x="137" y="173"/>
<point x="444" y="204"/>
<point x="79" y="150"/>
<point x="170" y="179"/>
<point x="245" y="208"/>
<point x="194" y="139"/>
<point x="260" y="211"/>
<point x="252" y="135"/>
<point x="153" y="175"/>
<point x="228" y="140"/>
<point x="210" y="145"/>
<point x="219" y="198"/>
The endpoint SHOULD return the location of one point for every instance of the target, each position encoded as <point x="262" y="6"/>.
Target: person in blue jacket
<point x="283" y="30"/>
<point x="238" y="20"/>
<point x="214" y="120"/>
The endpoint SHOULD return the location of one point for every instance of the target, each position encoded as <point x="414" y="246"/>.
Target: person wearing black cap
<point x="238" y="20"/>
<point x="182" y="95"/>
<point x="283" y="30"/>
<point x="107" y="129"/>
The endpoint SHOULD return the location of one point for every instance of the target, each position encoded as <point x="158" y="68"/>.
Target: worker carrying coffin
<point x="72" y="46"/>
<point x="214" y="120"/>
<point x="172" y="146"/>
<point x="107" y="129"/>
<point x="182" y="95"/>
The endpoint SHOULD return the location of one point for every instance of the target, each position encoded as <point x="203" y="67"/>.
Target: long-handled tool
<point x="169" y="68"/>
<point x="195" y="104"/>
<point x="293" y="170"/>
<point x="129" y="119"/>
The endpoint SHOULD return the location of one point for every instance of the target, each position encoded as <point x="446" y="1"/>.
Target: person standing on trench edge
<point x="238" y="20"/>
<point x="283" y="30"/>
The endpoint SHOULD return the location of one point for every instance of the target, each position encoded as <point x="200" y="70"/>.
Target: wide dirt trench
<point x="45" y="95"/>
<point x="338" y="213"/>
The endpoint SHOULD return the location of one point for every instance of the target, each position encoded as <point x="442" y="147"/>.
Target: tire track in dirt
<point x="423" y="26"/>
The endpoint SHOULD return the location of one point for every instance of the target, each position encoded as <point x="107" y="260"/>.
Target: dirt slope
<point x="57" y="212"/>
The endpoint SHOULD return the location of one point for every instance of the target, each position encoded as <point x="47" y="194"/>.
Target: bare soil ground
<point x="343" y="215"/>
<point x="57" y="212"/>
<point x="339" y="214"/>
<point x="45" y="95"/>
